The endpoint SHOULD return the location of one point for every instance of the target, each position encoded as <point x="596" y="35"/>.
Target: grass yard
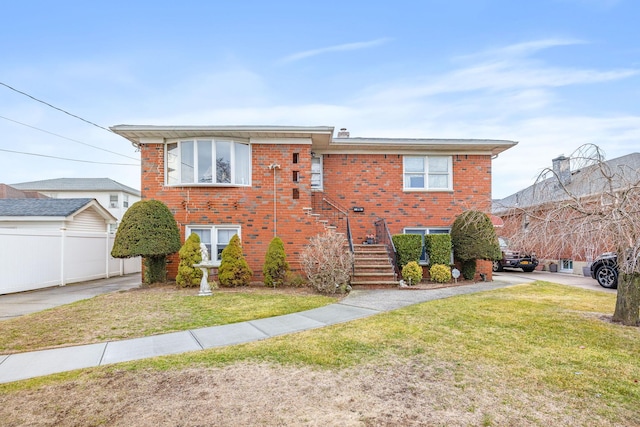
<point x="529" y="355"/>
<point x="148" y="311"/>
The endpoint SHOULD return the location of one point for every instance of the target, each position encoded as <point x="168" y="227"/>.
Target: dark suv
<point x="514" y="259"/>
<point x="605" y="270"/>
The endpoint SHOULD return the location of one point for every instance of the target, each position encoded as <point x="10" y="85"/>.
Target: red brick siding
<point x="249" y="207"/>
<point x="373" y="181"/>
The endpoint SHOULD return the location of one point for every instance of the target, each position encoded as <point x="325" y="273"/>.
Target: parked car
<point x="514" y="259"/>
<point x="605" y="270"/>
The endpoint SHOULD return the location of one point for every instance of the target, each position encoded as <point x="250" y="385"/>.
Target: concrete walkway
<point x="358" y="304"/>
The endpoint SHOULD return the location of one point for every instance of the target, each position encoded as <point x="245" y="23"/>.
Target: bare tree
<point x="582" y="206"/>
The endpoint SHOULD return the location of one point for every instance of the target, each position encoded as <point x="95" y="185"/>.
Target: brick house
<point x="294" y="182"/>
<point x="566" y="179"/>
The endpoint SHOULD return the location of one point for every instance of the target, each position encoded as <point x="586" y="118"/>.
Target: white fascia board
<point x="104" y="213"/>
<point x="282" y="141"/>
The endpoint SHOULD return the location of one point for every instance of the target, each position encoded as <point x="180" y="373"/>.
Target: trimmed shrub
<point x="295" y="280"/>
<point x="440" y="273"/>
<point x="328" y="263"/>
<point x="148" y="229"/>
<point x="188" y="275"/>
<point x="275" y="264"/>
<point x="234" y="270"/>
<point x="412" y="273"/>
<point x="473" y="237"/>
<point x="468" y="269"/>
<point x="408" y="247"/>
<point x="438" y="247"/>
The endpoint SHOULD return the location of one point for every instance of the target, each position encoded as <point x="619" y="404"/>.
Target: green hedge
<point x="408" y="247"/>
<point x="438" y="248"/>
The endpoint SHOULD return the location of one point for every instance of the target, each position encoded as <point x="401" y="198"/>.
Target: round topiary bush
<point x="148" y="229"/>
<point x="412" y="273"/>
<point x="440" y="273"/>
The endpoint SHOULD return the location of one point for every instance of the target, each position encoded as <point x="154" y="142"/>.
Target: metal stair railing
<point x="335" y="213"/>
<point x="383" y="237"/>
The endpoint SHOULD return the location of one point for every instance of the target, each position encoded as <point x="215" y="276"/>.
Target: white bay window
<point x="208" y="162"/>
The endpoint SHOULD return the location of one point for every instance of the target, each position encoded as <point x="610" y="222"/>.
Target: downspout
<point x="274" y="166"/>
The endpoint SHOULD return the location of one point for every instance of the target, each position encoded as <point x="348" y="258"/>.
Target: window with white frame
<point x="316" y="172"/>
<point x="113" y="200"/>
<point x="424" y="257"/>
<point x="566" y="266"/>
<point x="208" y="162"/>
<point x="214" y="237"/>
<point x="125" y="201"/>
<point x="432" y="173"/>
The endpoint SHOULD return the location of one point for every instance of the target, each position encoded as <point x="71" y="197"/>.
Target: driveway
<point x="517" y="276"/>
<point x="18" y="304"/>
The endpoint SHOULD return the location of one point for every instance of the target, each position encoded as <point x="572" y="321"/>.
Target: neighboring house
<point x="111" y="194"/>
<point x="584" y="181"/>
<point x="50" y="242"/>
<point x="8" y="192"/>
<point x="293" y="182"/>
<point x="81" y="214"/>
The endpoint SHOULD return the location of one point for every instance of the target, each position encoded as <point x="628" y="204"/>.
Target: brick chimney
<point x="562" y="169"/>
<point x="343" y="133"/>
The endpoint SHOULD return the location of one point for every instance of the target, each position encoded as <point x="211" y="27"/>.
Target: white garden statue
<point x="204" y="266"/>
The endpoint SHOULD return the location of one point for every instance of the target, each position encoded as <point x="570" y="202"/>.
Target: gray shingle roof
<point x="587" y="181"/>
<point x="41" y="207"/>
<point x="76" y="184"/>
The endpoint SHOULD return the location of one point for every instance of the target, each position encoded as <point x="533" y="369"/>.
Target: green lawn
<point x="147" y="311"/>
<point x="537" y="339"/>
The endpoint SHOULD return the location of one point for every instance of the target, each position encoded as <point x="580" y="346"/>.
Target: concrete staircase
<point x="372" y="266"/>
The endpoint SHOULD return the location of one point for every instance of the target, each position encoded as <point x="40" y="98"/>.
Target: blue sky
<point x="551" y="74"/>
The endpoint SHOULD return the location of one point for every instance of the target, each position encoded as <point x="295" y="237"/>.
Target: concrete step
<point x="374" y="283"/>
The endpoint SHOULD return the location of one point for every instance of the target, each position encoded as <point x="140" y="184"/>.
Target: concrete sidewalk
<point x="358" y="304"/>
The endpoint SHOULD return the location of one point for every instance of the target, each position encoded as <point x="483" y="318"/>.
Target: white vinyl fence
<point x="39" y="258"/>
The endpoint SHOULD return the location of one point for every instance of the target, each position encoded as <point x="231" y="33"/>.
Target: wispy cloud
<point x="522" y="49"/>
<point x="337" y="48"/>
<point x="509" y="68"/>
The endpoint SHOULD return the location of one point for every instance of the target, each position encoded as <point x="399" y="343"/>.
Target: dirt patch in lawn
<point x="412" y="392"/>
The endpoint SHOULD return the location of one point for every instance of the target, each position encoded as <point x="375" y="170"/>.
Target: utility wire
<point x="69" y="139"/>
<point x="71" y="160"/>
<point x="55" y="108"/>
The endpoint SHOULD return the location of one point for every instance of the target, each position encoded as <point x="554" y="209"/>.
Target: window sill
<point x="427" y="190"/>
<point x="207" y="185"/>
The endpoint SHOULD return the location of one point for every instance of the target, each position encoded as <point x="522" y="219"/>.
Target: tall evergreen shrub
<point x="188" y="275"/>
<point x="275" y="264"/>
<point x="234" y="270"/>
<point x="408" y="247"/>
<point x="473" y="237"/>
<point x="438" y="247"/>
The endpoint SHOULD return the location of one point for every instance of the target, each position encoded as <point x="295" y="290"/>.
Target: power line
<point x="54" y="107"/>
<point x="69" y="139"/>
<point x="70" y="160"/>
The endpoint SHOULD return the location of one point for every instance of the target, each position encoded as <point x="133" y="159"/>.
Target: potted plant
<point x="371" y="239"/>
